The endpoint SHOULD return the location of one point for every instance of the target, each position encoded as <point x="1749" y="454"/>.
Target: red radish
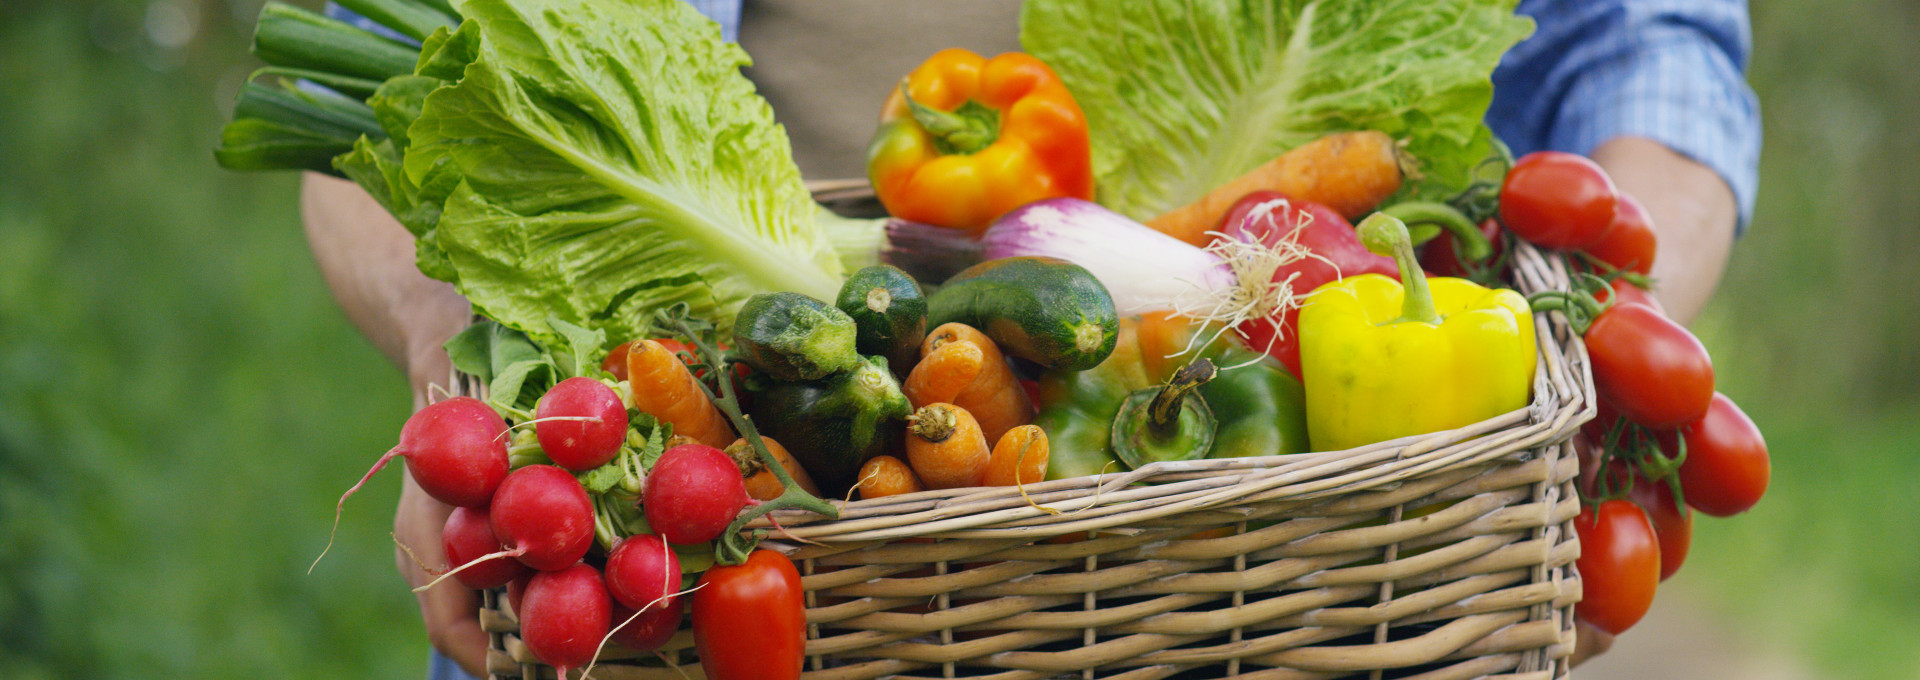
<point x="456" y="451"/>
<point x="581" y="423"/>
<point x="650" y="629"/>
<point x="466" y="537"/>
<point x="566" y="617"/>
<point x="544" y="517"/>
<point x="517" y="589"/>
<point x="642" y="570"/>
<point x="693" y="493"/>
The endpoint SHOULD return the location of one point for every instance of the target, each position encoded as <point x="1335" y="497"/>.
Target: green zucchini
<point x="889" y="314"/>
<point x="794" y="337"/>
<point x="1042" y="309"/>
<point x="834" y="426"/>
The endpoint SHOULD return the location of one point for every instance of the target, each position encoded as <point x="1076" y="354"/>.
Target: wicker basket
<point x="1439" y="556"/>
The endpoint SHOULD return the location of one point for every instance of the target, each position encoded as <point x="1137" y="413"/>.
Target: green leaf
<point x="582" y="345"/>
<point x="1182" y="97"/>
<point x="613" y="161"/>
<point x="471" y="350"/>
<point x="520" y="384"/>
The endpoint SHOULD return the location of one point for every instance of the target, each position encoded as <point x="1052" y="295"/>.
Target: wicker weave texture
<point x="1446" y="555"/>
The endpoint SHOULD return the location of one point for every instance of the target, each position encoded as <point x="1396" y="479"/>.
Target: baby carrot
<point x="663" y="386"/>
<point x="1019" y="458"/>
<point x="1350" y="172"/>
<point x="762" y="485"/>
<point x="887" y="476"/>
<point x="946" y="448"/>
<point x="962" y="366"/>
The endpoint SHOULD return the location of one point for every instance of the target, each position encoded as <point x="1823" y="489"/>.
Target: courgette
<point x="794" y="337"/>
<point x="834" y="426"/>
<point x="1042" y="309"/>
<point x="889" y="314"/>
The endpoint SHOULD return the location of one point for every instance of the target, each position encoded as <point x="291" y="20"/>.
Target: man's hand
<point x="1693" y="214"/>
<point x="367" y="260"/>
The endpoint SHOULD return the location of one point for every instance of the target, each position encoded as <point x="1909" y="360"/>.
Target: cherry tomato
<point x="750" y="619"/>
<point x="1652" y="370"/>
<point x="1557" y="200"/>
<point x="1619" y="565"/>
<point x="616" y="361"/>
<point x="1672" y="524"/>
<point x="1727" y="467"/>
<point x="1630" y="244"/>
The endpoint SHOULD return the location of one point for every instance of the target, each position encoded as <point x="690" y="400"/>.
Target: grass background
<point x="180" y="400"/>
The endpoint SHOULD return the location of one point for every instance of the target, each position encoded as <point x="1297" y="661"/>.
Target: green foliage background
<point x="181" y="401"/>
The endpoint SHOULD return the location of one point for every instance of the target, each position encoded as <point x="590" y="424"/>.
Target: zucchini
<point x="1042" y="309"/>
<point x="889" y="314"/>
<point x="794" y="337"/>
<point x="834" y="426"/>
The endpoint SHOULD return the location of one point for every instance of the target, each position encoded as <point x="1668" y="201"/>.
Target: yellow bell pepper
<point x="1380" y="361"/>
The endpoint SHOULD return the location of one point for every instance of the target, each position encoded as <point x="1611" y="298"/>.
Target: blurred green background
<point x="180" y="400"/>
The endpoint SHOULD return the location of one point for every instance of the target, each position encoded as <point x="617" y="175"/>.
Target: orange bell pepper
<point x="964" y="139"/>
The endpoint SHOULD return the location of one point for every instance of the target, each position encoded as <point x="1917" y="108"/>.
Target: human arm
<point x="367" y="260"/>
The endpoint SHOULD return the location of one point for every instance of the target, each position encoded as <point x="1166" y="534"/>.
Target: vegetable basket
<point x="1447" y="555"/>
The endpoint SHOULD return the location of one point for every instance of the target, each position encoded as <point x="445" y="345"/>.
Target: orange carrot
<point x="663" y="387"/>
<point x="887" y="476"/>
<point x="762" y="485"/>
<point x="961" y="366"/>
<point x="1019" y="458"/>
<point x="1350" y="172"/>
<point x="946" y="447"/>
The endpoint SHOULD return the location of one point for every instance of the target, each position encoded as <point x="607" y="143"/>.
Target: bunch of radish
<point x="533" y="526"/>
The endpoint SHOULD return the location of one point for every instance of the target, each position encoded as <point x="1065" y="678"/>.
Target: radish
<point x="566" y="616"/>
<point x="693" y="493"/>
<point x="643" y="571"/>
<point x="543" y="516"/>
<point x="467" y="536"/>
<point x="581" y="423"/>
<point x="516" y="589"/>
<point x="650" y="629"/>
<point x="456" y="451"/>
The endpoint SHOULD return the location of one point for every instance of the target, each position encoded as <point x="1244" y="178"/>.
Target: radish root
<point x="342" y="505"/>
<point x="636" y="614"/>
<point x="516" y="552"/>
<point x="1255" y="295"/>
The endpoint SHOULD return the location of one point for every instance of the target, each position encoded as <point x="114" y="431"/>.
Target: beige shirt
<point x="828" y="65"/>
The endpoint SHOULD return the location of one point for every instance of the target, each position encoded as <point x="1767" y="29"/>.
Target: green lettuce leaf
<point x="612" y="160"/>
<point x="1184" y="96"/>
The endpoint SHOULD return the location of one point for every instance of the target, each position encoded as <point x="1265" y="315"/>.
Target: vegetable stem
<point x="1164" y="412"/>
<point x="296" y="38"/>
<point x="1470" y="243"/>
<point x="1385" y="234"/>
<point x="410" y="19"/>
<point x="965" y="130"/>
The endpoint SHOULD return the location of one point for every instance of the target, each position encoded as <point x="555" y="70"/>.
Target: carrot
<point x="1350" y="172"/>
<point x="663" y="387"/>
<point x="762" y="485"/>
<point x="1019" y="458"/>
<point x="946" y="448"/>
<point x="887" y="476"/>
<point x="961" y="366"/>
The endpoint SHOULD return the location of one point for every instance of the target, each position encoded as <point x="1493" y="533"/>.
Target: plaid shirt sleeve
<point x="1669" y="70"/>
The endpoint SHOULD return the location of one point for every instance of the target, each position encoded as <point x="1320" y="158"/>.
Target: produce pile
<point x="1102" y="254"/>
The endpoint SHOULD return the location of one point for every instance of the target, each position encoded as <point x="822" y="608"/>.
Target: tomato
<point x="1440" y="258"/>
<point x="750" y="619"/>
<point x="1652" y="370"/>
<point x="616" y="361"/>
<point x="1727" y="467"/>
<point x="1630" y="293"/>
<point x="1619" y="565"/>
<point x="1630" y="244"/>
<point x="1557" y="200"/>
<point x="1672" y="524"/>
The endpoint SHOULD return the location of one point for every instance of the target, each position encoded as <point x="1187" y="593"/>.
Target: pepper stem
<point x="1471" y="245"/>
<point x="1164" y="411"/>
<point x="1385" y="234"/>
<point x="968" y="129"/>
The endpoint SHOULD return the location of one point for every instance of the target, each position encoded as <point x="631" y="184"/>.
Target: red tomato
<point x="1439" y="258"/>
<point x="1557" y="200"/>
<point x="1630" y="244"/>
<point x="1630" y="293"/>
<point x="616" y="361"/>
<point x="1652" y="370"/>
<point x="1619" y="565"/>
<point x="1727" y="467"/>
<point x="1672" y="524"/>
<point x="750" y="620"/>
